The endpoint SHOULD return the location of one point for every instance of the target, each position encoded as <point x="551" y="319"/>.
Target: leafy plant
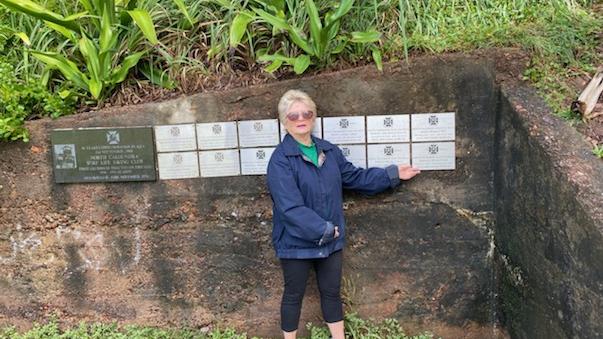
<point x="598" y="151"/>
<point x="95" y="33"/>
<point x="324" y="40"/>
<point x="22" y="100"/>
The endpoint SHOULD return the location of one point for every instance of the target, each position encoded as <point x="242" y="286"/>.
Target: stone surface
<point x="549" y="223"/>
<point x="197" y="251"/>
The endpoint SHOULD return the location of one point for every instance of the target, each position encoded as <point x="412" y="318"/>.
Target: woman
<point x="306" y="176"/>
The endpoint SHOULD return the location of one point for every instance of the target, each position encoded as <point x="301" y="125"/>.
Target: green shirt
<point x="309" y="151"/>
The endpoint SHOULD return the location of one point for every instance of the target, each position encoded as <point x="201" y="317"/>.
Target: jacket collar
<point x="291" y="148"/>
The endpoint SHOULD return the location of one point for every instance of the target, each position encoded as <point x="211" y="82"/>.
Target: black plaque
<point x="103" y="154"/>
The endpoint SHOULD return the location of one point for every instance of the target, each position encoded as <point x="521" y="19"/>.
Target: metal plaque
<point x="433" y="127"/>
<point x="254" y="133"/>
<point x="356" y="154"/>
<point x="388" y="128"/>
<point x="220" y="163"/>
<point x="433" y="155"/>
<point x="103" y="154"/>
<point x="178" y="165"/>
<point x="344" y="130"/>
<point x="316" y="131"/>
<point x="173" y="138"/>
<point x="217" y="135"/>
<point x="254" y="161"/>
<point x="383" y="155"/>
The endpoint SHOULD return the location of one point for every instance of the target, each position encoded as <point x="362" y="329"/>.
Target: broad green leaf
<point x="23" y="38"/>
<point x="315" y="27"/>
<point x="106" y="32"/>
<point x="145" y="23"/>
<point x="365" y="37"/>
<point x="184" y="10"/>
<point x="40" y="12"/>
<point x="96" y="87"/>
<point x="276" y="22"/>
<point x="61" y="29"/>
<point x="67" y="67"/>
<point x="273" y="66"/>
<point x="343" y="9"/>
<point x="276" y="57"/>
<point x="90" y="53"/>
<point x="238" y="27"/>
<point x="64" y="94"/>
<point x="299" y="40"/>
<point x="301" y="64"/>
<point x="121" y="72"/>
<point x="377" y="57"/>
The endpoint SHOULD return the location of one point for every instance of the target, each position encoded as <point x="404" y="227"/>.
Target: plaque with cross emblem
<point x="173" y="138"/>
<point x="255" y="133"/>
<point x="316" y="131"/>
<point x="388" y="128"/>
<point x="178" y="165"/>
<point x="356" y="154"/>
<point x="433" y="127"/>
<point x="383" y="155"/>
<point x="220" y="163"/>
<point x="344" y="130"/>
<point x="254" y="161"/>
<point x="433" y="155"/>
<point x="217" y="135"/>
<point x="103" y="154"/>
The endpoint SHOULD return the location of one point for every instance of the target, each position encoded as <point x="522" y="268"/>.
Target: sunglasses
<point x="294" y="116"/>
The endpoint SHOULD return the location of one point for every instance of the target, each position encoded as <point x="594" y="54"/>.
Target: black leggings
<point x="328" y="275"/>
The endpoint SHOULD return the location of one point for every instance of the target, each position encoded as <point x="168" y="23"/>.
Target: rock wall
<point x="549" y="223"/>
<point x="197" y="252"/>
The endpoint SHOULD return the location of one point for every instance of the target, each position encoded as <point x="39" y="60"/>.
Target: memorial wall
<point x="244" y="147"/>
<point x="159" y="214"/>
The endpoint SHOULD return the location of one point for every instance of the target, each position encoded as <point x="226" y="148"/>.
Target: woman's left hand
<point x="406" y="172"/>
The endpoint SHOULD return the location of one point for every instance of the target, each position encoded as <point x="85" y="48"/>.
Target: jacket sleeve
<point x="302" y="222"/>
<point x="367" y="181"/>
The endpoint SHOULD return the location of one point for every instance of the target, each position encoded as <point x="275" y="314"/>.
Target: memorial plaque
<point x="356" y="154"/>
<point x="344" y="130"/>
<point x="433" y="155"/>
<point x="316" y="131"/>
<point x="255" y="160"/>
<point x="178" y="165"/>
<point x="217" y="135"/>
<point x="388" y="128"/>
<point x="173" y="138"/>
<point x="220" y="163"/>
<point x="254" y="133"/>
<point x="383" y="155"/>
<point x="103" y="154"/>
<point x="433" y="127"/>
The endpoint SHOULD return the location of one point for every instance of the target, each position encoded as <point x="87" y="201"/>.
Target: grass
<point x="356" y="328"/>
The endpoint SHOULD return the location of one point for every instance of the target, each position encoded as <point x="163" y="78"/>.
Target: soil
<point x="510" y="66"/>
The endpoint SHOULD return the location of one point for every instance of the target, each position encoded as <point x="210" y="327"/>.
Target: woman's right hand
<point x="336" y="234"/>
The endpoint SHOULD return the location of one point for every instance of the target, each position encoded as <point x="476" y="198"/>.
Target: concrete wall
<point x="549" y="223"/>
<point x="198" y="251"/>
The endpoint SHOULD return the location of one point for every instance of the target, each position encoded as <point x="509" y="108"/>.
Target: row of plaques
<point x="244" y="147"/>
<point x="338" y="130"/>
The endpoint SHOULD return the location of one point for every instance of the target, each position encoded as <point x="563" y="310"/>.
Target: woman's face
<point x="302" y="125"/>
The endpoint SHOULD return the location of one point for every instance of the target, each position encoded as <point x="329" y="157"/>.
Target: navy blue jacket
<point x="308" y="199"/>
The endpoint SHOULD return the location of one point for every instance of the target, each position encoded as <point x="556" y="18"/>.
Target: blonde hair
<point x="290" y="97"/>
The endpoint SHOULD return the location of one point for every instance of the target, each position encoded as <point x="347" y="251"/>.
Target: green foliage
<point x="358" y="328"/>
<point x="598" y="151"/>
<point x="22" y="100"/>
<point x="317" y="36"/>
<point x="95" y="34"/>
<point x="355" y="327"/>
